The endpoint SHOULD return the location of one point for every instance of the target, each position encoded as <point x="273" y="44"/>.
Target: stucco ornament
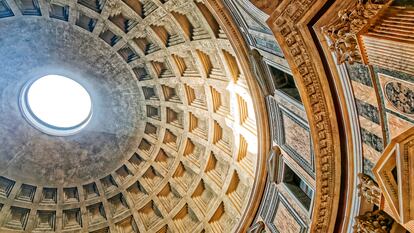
<point x="373" y="222"/>
<point x="369" y="189"/>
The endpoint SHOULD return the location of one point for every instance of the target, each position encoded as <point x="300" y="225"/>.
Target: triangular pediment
<point x="394" y="172"/>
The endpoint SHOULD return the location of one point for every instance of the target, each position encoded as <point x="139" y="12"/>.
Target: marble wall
<point x="385" y="103"/>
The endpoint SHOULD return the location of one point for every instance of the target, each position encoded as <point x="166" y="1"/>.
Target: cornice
<point x="289" y="23"/>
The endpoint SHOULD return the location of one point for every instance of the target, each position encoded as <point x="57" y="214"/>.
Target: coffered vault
<point x="210" y="116"/>
<point x="172" y="145"/>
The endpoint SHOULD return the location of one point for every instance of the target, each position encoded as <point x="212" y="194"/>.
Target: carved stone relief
<point x="398" y="94"/>
<point x="369" y="189"/>
<point x="343" y="32"/>
<point x="401" y="96"/>
<point x="287" y="25"/>
<point x="373" y="222"/>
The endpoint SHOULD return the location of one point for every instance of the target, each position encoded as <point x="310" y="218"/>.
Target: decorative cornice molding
<point x="289" y="24"/>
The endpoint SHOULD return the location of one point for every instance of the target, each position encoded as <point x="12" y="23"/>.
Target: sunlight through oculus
<point x="56" y="105"/>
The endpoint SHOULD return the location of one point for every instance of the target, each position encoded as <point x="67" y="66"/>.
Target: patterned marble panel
<point x="286" y="219"/>
<point x="297" y="138"/>
<point x="285" y="222"/>
<point x="398" y="95"/>
<point x="368" y="165"/>
<point x="372" y="140"/>
<point x="370" y="126"/>
<point x="370" y="153"/>
<point x="294" y="138"/>
<point x="368" y="111"/>
<point x="365" y="93"/>
<point x="359" y="73"/>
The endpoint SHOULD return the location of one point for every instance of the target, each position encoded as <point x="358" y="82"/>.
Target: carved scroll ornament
<point x="369" y="189"/>
<point x="373" y="222"/>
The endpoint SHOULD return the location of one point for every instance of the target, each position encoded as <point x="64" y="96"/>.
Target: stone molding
<point x="394" y="174"/>
<point x="289" y="24"/>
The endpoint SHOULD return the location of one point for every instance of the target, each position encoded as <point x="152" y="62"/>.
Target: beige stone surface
<point x="397" y="125"/>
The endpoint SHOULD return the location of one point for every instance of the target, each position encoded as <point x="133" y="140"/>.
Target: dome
<point x="206" y="116"/>
<point x="169" y="142"/>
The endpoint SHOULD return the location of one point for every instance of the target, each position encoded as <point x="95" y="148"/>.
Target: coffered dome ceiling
<point x="172" y="142"/>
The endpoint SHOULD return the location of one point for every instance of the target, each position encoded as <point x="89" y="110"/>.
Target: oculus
<point x="56" y="105"/>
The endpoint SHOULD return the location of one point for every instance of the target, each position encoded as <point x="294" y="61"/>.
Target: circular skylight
<point x="56" y="105"/>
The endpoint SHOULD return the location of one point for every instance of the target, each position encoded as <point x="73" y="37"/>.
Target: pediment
<point x="395" y="175"/>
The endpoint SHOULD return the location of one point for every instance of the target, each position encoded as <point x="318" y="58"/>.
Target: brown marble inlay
<point x="285" y="222"/>
<point x="297" y="138"/>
